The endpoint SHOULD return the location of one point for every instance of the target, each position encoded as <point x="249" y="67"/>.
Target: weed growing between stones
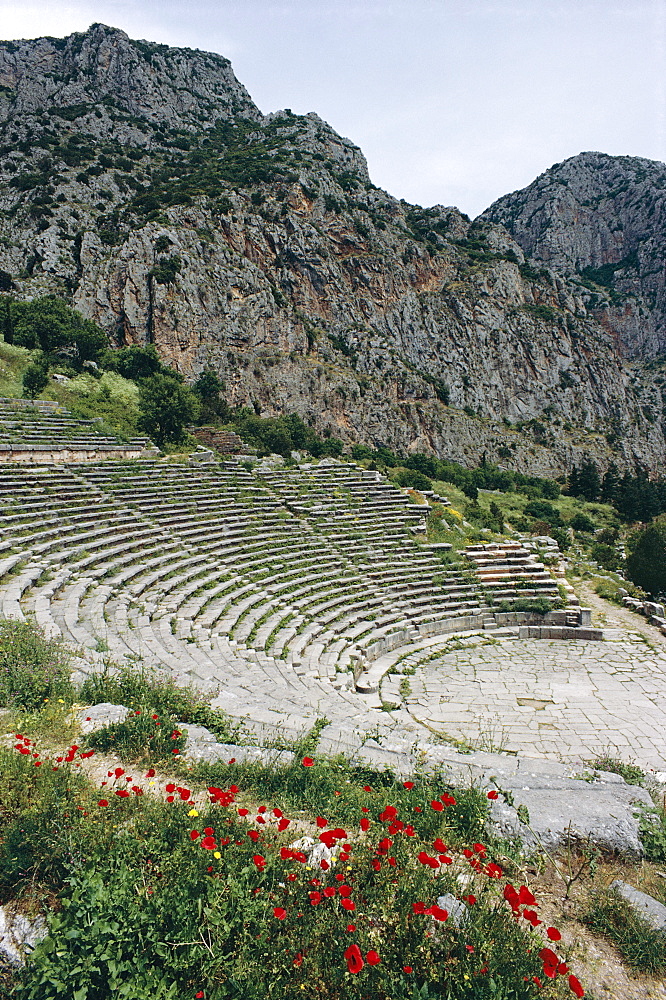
<point x="163" y="898"/>
<point x="643" y="947"/>
<point x="151" y="693"/>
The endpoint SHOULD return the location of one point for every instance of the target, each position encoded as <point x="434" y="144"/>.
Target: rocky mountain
<point x="142" y="183"/>
<point x="601" y="220"/>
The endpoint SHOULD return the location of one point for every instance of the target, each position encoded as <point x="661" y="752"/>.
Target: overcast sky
<point x="452" y="101"/>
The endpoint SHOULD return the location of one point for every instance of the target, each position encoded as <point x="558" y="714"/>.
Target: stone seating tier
<point x="145" y="555"/>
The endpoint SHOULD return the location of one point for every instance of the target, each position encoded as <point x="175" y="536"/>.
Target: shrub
<point x="412" y="479"/>
<point x="165" y="272"/>
<point x="581" y="522"/>
<point x="33" y="669"/>
<point x="36" y="377"/>
<point x="606" y="556"/>
<point x="543" y="511"/>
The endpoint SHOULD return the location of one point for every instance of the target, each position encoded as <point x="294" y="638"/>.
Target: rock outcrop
<point x="601" y="220"/>
<point x="142" y="183"/>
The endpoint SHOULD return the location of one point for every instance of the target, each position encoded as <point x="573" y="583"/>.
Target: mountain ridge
<point x="258" y="245"/>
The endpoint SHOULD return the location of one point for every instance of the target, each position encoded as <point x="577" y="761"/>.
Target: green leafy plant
<point x="33" y="669"/>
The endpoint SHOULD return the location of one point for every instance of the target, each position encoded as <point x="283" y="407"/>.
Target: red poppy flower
<point x="494" y="871"/>
<point x="553" y="933"/>
<point x="575" y="987"/>
<point x="259" y="861"/>
<point x="321" y="822"/>
<point x="283" y="824"/>
<point x="532" y="917"/>
<point x="170" y="787"/>
<point x="377" y="865"/>
<point x="324" y="865"/>
<point x="365" y="824"/>
<point x="366" y="788"/>
<point x="298" y="961"/>
<point x="253" y="835"/>
<point x="209" y="843"/>
<point x="150" y="773"/>
<point x="470" y="900"/>
<point x="209" y="831"/>
<point x="279" y="913"/>
<point x="200" y="995"/>
<point x="372" y="958"/>
<point x="102" y="802"/>
<point x="307" y="762"/>
<point x="408" y="785"/>
<point x="330" y="891"/>
<point x="194" y="834"/>
<point x="438" y="913"/>
<point x="448" y="800"/>
<point x="418" y="907"/>
<point x="407" y="969"/>
<point x="550" y="962"/>
<point x="315" y="898"/>
<point x="525" y="897"/>
<point x="389" y="813"/>
<point x="493" y="794"/>
<point x="118" y="771"/>
<point x="437" y="805"/>
<point x="354" y="959"/>
<point x="348" y="904"/>
<point x="122" y="793"/>
<point x="351" y="928"/>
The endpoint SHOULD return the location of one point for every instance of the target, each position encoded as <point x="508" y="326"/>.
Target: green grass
<point x="13" y="362"/>
<point x="643" y="947"/>
<point x="146" y="907"/>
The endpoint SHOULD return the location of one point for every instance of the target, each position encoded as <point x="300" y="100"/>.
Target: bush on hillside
<point x="36" y="377"/>
<point x="411" y="479"/>
<point x="50" y="325"/>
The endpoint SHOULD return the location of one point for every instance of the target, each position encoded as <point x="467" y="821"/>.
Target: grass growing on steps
<point x="643" y="947"/>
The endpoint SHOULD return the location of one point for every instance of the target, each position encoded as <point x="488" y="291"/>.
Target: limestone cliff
<point x="143" y="183"/>
<point x="601" y="220"/>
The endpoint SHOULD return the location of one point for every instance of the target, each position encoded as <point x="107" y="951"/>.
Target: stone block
<point x="653" y="912"/>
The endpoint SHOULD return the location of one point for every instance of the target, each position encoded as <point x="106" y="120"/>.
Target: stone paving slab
<point x="541" y="698"/>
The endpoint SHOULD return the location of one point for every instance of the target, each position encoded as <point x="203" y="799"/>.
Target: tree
<point x="137" y="362"/>
<point x="165" y="408"/>
<point x="646" y="562"/>
<point x="36" y="377"/>
<point x="589" y="481"/>
<point x="208" y="388"/>
<point x="50" y="325"/>
<point x="610" y="483"/>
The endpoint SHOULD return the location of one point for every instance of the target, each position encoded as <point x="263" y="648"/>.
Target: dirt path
<point x="612" y="615"/>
